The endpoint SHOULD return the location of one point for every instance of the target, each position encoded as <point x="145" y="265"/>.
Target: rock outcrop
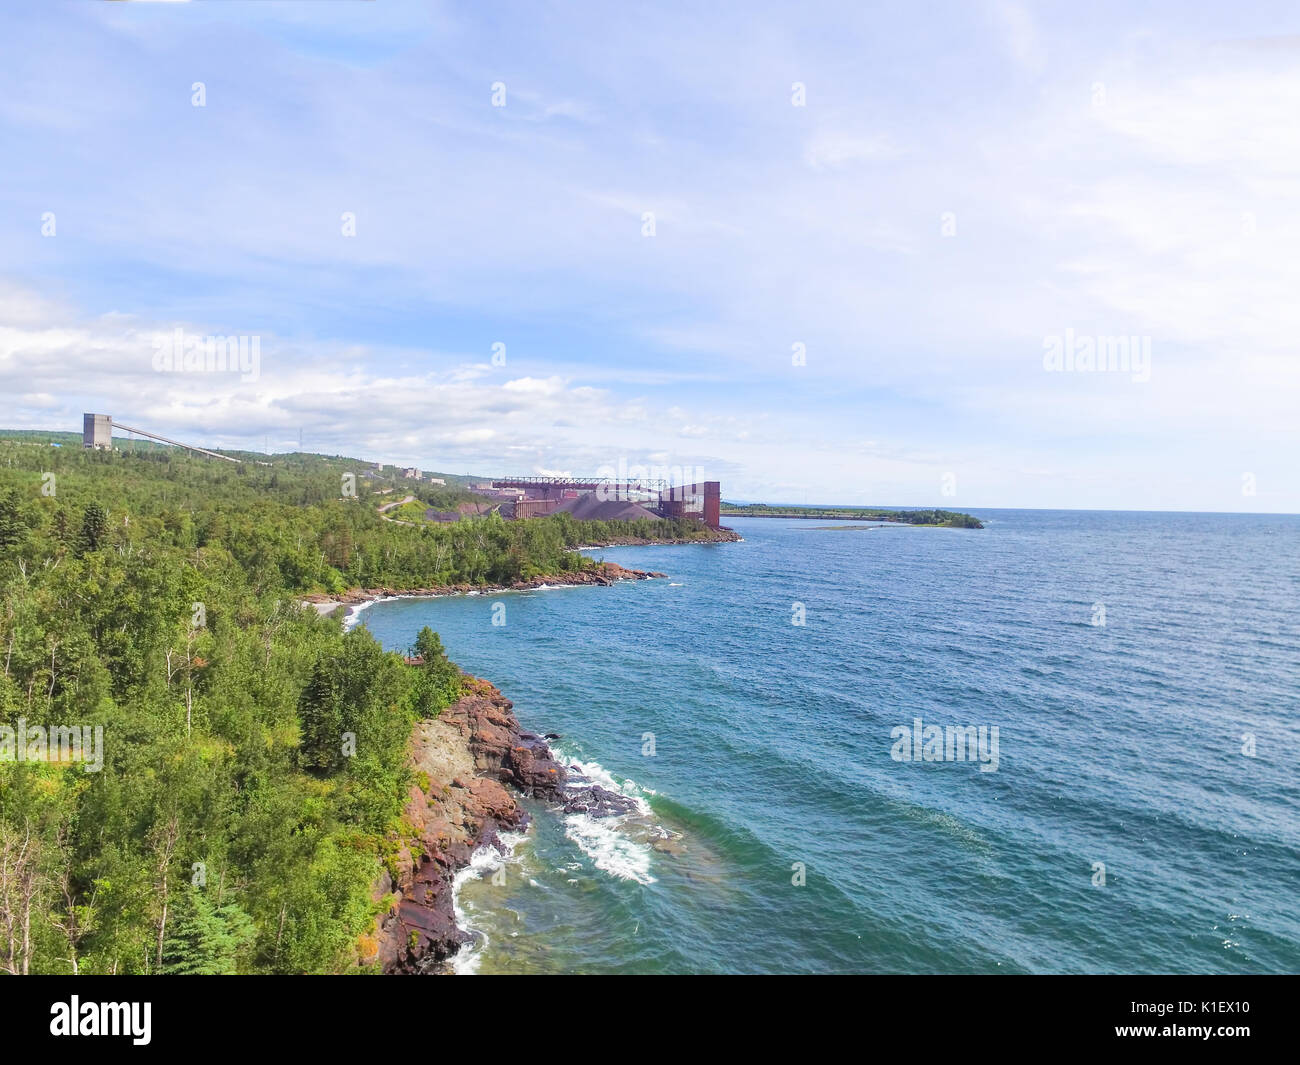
<point x="463" y="761"/>
<point x="469" y="762"/>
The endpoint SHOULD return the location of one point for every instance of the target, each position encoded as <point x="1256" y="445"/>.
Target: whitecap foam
<point x="354" y="614"/>
<point x="605" y="840"/>
<point x="354" y="611"/>
<point x="483" y="862"/>
<point x="609" y="849"/>
<point x="596" y="774"/>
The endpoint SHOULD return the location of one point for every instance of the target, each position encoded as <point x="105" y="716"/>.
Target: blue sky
<point x="962" y="183"/>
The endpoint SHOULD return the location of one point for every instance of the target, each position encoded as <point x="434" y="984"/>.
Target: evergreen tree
<point x="439" y="679"/>
<point x="320" y="723"/>
<point x="94" y="525"/>
<point x="206" y="939"/>
<point x="61" y="527"/>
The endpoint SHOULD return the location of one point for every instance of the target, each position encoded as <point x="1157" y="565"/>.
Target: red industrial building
<point x="531" y="508"/>
<point x="608" y="499"/>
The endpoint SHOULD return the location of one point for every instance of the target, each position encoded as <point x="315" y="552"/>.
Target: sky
<point x="819" y="252"/>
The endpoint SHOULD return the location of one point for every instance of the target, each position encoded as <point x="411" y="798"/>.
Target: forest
<point x="950" y="519"/>
<point x="253" y="753"/>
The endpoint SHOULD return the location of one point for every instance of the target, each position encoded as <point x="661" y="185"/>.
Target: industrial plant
<point x="587" y="499"/>
<point x="605" y="499"/>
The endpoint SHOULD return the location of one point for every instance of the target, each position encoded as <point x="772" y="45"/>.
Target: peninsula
<point x="949" y="519"/>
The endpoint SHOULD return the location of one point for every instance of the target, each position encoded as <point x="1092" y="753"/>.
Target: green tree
<point x="207" y="939"/>
<point x="438" y="683"/>
<point x="94" y="527"/>
<point x="11" y="520"/>
<point x="320" y="723"/>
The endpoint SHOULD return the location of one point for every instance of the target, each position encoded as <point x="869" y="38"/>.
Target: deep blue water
<point x="1119" y="744"/>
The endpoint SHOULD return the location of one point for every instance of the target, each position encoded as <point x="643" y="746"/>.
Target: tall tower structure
<point x="97" y="431"/>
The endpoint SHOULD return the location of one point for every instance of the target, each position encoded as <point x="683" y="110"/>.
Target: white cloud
<point x="1168" y="208"/>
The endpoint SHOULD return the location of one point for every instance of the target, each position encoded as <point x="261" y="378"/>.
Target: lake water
<point x="1139" y="813"/>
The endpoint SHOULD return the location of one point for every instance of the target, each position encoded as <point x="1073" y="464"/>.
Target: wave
<point x="354" y="612"/>
<point x="485" y="861"/>
<point x="619" y="845"/>
<point x="609" y="849"/>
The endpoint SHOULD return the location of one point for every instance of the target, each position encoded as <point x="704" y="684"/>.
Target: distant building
<point x="534" y="508"/>
<point x="497" y="493"/>
<point x="412" y="473"/>
<point x="597" y="499"/>
<point x="97" y="431"/>
<point x="437" y="480"/>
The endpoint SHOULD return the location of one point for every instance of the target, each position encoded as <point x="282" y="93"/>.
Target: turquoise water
<point x="1119" y="744"/>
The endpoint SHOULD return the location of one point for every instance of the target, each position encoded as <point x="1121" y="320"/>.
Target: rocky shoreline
<point x="602" y="573"/>
<point x="472" y="764"/>
<point x="721" y="535"/>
